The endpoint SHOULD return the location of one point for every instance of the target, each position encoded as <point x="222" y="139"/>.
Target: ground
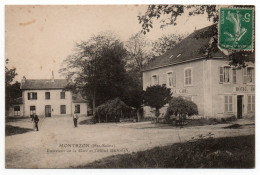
<point x="51" y="146"/>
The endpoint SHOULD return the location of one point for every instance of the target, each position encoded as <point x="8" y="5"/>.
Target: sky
<point x="39" y="38"/>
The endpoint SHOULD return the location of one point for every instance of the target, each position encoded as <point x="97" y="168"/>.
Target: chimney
<point x="52" y="80"/>
<point x="22" y="81"/>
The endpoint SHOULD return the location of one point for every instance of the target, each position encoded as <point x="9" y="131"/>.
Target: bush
<point x="111" y="111"/>
<point x="180" y="108"/>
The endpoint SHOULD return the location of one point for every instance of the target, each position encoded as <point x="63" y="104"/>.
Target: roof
<point x="42" y="84"/>
<point x="187" y="50"/>
<point x="77" y="98"/>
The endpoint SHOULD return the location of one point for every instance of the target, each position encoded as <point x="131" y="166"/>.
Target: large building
<point x="46" y="97"/>
<point x="217" y="88"/>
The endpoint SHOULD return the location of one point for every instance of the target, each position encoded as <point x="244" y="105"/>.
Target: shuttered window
<point x="32" y="95"/>
<point x="47" y="95"/>
<point x="77" y="109"/>
<point x="187" y="76"/>
<point x="16" y="110"/>
<point x="32" y="110"/>
<point x="228" y="103"/>
<point x="62" y="95"/>
<point x="250" y="103"/>
<point x="250" y="75"/>
<point x="155" y="80"/>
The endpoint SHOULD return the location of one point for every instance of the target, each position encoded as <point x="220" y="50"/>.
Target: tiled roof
<point x="186" y="50"/>
<point x="41" y="84"/>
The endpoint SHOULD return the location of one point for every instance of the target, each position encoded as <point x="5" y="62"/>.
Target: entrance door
<point x="239" y="106"/>
<point x="47" y="110"/>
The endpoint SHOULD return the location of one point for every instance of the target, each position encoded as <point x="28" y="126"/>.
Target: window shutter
<point x="164" y="78"/>
<point x="28" y="94"/>
<point x="157" y="80"/>
<point x="173" y="79"/>
<point x="234" y="75"/>
<point x="244" y="75"/>
<point x="221" y="75"/>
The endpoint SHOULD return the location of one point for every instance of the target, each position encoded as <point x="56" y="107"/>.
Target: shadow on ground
<point x="13" y="130"/>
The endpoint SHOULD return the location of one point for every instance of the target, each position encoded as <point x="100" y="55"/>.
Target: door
<point x="239" y="106"/>
<point x="47" y="110"/>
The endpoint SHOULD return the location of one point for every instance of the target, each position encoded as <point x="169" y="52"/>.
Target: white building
<point x="217" y="88"/>
<point x="46" y="97"/>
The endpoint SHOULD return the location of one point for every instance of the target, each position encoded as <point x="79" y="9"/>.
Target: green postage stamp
<point x="236" y="28"/>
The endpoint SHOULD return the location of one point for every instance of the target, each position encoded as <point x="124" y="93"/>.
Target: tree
<point x="111" y="110"/>
<point x="180" y="107"/>
<point x="170" y="13"/>
<point x="98" y="68"/>
<point x="12" y="90"/>
<point x="165" y="43"/>
<point x="156" y="97"/>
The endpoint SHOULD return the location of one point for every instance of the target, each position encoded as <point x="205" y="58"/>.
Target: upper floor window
<point x="62" y="95"/>
<point x="47" y="95"/>
<point x="32" y="95"/>
<point x="155" y="80"/>
<point x="249" y="75"/>
<point x="234" y="71"/>
<point x="187" y="76"/>
<point x="225" y="74"/>
<point x="171" y="79"/>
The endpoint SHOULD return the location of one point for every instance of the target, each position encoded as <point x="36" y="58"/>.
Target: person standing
<point x="35" y="119"/>
<point x="75" y="119"/>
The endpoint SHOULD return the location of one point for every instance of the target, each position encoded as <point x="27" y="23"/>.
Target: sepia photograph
<point x="129" y="86"/>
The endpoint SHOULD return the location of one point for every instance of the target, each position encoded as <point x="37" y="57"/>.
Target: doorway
<point x="240" y="106"/>
<point x="47" y="110"/>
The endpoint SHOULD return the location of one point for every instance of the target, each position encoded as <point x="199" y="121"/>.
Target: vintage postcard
<point x="129" y="86"/>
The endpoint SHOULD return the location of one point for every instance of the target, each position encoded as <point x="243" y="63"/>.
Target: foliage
<point x="12" y="90"/>
<point x="180" y="107"/>
<point x="202" y="152"/>
<point x="170" y="13"/>
<point x="165" y="43"/>
<point x="112" y="110"/>
<point x="98" y="68"/>
<point x="156" y="97"/>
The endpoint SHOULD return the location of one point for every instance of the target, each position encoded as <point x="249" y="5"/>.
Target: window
<point x="234" y="71"/>
<point x="62" y="95"/>
<point x="171" y="79"/>
<point x="77" y="109"/>
<point x="32" y="95"/>
<point x="250" y="75"/>
<point x="32" y="110"/>
<point x="155" y="80"/>
<point x="16" y="110"/>
<point x="63" y="109"/>
<point x="251" y="103"/>
<point x="228" y="104"/>
<point x="47" y="95"/>
<point x="187" y="76"/>
<point x="227" y="74"/>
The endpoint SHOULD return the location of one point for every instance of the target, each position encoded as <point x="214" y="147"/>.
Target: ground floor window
<point x="250" y="103"/>
<point x="16" y="110"/>
<point x="228" y="103"/>
<point x="77" y="109"/>
<point x="32" y="110"/>
<point x="63" y="109"/>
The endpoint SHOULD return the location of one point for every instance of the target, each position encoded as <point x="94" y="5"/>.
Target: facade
<point x="218" y="89"/>
<point x="47" y="98"/>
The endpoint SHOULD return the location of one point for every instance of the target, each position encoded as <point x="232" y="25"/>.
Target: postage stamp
<point x="236" y="28"/>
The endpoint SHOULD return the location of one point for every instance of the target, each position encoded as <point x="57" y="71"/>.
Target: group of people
<point x="35" y="120"/>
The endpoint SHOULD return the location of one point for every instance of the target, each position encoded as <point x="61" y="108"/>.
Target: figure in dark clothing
<point x="75" y="119"/>
<point x="35" y="119"/>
